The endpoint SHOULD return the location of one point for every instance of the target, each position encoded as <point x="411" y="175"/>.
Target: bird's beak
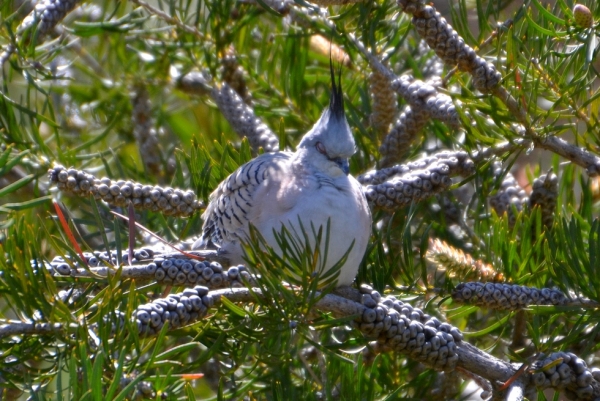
<point x="344" y="165"/>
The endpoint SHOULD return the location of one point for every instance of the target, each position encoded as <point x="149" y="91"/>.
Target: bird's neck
<point x="313" y="162"/>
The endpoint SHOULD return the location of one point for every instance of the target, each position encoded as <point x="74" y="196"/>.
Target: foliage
<point x="68" y="98"/>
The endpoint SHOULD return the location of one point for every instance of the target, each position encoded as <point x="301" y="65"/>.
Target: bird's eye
<point x="321" y="148"/>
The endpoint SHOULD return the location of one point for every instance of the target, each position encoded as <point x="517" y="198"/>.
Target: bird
<point x="306" y="189"/>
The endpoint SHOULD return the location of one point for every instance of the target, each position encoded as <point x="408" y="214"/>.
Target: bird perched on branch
<point x="311" y="185"/>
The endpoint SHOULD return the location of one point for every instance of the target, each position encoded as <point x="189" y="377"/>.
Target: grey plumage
<point x="332" y="129"/>
<point x="227" y="213"/>
<point x="311" y="184"/>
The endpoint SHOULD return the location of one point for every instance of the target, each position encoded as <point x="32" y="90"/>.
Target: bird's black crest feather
<point x="336" y="101"/>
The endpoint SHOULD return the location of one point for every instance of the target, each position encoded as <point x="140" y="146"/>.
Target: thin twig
<point x="571" y="152"/>
<point x="500" y="149"/>
<point x="480" y="381"/>
<point x="519" y="329"/>
<point x="20" y="328"/>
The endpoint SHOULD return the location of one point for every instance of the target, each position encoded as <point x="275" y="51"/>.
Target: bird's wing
<point x="231" y="204"/>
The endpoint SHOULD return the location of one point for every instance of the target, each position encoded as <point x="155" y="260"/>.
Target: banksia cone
<point x="194" y="83"/>
<point x="506" y="296"/>
<point x="424" y="103"/>
<point x="565" y="371"/>
<point x="425" y="99"/>
<point x="543" y="195"/>
<point x="177" y="310"/>
<point x="320" y="44"/>
<point x="64" y="265"/>
<point x="243" y="120"/>
<point x="404" y="132"/>
<point x="459" y="264"/>
<point x="234" y="74"/>
<point x="384" y="102"/>
<point x="400" y="327"/>
<point x="451" y="209"/>
<point x="412" y="187"/>
<point x="146" y="264"/>
<point x="458" y="163"/>
<point x="418" y="183"/>
<point x="169" y="201"/>
<point x="583" y="16"/>
<point x="449" y="46"/>
<point x="510" y="196"/>
<point x="48" y="13"/>
<point x="186" y="307"/>
<point x="189" y="272"/>
<point x="143" y="389"/>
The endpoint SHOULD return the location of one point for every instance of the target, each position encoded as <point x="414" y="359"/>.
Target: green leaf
<point x="96" y="377"/>
<point x="16" y="185"/>
<point x="233" y="307"/>
<point x="547" y="14"/>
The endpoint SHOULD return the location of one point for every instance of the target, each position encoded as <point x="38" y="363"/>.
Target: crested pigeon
<point x="311" y="186"/>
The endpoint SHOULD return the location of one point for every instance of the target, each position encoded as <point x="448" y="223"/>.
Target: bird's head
<point x="330" y="143"/>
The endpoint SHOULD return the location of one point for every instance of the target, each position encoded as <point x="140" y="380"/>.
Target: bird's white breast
<point x="317" y="198"/>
